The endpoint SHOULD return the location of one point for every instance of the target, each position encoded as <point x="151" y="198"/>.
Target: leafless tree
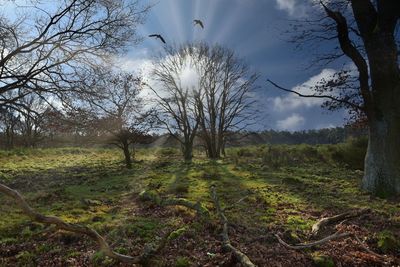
<point x="366" y="33"/>
<point x="224" y="101"/>
<point x="118" y="109"/>
<point x="175" y="99"/>
<point x="9" y="121"/>
<point x="205" y="91"/>
<point x="32" y="120"/>
<point x="44" y="47"/>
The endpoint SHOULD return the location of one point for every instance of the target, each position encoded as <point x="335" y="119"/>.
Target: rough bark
<point x="382" y="161"/>
<point x="379" y="80"/>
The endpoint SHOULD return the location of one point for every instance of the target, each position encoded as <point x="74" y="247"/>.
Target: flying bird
<point x="198" y="22"/>
<point x="158" y="36"/>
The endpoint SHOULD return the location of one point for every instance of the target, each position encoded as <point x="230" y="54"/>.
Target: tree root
<point x="226" y="243"/>
<point x="316" y="228"/>
<point x="155" y="198"/>
<point x="80" y="229"/>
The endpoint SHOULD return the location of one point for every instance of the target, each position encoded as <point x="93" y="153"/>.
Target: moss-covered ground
<point x="266" y="190"/>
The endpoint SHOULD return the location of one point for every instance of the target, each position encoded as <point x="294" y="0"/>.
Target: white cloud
<point x="291" y="101"/>
<point x="287" y="5"/>
<point x="294" y="8"/>
<point x="291" y="123"/>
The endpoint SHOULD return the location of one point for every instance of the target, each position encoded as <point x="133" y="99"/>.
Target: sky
<point x="254" y="30"/>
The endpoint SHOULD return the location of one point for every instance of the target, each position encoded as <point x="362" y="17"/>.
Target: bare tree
<point x="32" y="121"/>
<point x="43" y="50"/>
<point x="9" y="121"/>
<point x="224" y="102"/>
<point x="118" y="109"/>
<point x="175" y="98"/>
<point x="366" y="33"/>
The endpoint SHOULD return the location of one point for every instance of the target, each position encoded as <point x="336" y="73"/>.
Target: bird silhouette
<point x="198" y="22"/>
<point x="158" y="36"/>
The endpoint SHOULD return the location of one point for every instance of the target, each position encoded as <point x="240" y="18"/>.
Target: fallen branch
<point x="326" y="221"/>
<point x="322" y="241"/>
<point x="155" y="198"/>
<point x="226" y="243"/>
<point x="70" y="227"/>
<point x="330" y="220"/>
<point x="366" y="248"/>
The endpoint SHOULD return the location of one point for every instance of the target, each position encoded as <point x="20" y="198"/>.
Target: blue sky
<point x="253" y="29"/>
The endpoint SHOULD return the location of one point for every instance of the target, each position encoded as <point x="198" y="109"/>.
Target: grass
<point x="285" y="188"/>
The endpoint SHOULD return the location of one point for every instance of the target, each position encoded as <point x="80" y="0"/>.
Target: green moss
<point x="387" y="241"/>
<point x="323" y="260"/>
<point x="8" y="241"/>
<point x="296" y="222"/>
<point x="305" y="182"/>
<point x="150" y="196"/>
<point x="182" y="262"/>
<point x="26" y="258"/>
<point x="177" y="233"/>
<point x="142" y="227"/>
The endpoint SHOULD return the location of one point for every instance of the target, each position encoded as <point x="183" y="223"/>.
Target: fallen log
<point x="226" y="243"/>
<point x="323" y="222"/>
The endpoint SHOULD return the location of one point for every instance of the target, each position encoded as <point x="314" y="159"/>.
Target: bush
<point x="168" y="151"/>
<point x="351" y="153"/>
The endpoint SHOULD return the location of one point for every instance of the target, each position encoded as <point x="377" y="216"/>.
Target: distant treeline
<point x="75" y="137"/>
<point x="312" y="137"/>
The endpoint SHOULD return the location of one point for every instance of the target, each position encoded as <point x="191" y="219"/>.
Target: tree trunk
<point x="127" y="154"/>
<point x="382" y="162"/>
<point x="187" y="150"/>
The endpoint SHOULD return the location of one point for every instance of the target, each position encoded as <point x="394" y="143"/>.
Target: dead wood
<point x="317" y="227"/>
<point x="78" y="229"/>
<point x="226" y="243"/>
<point x="322" y="241"/>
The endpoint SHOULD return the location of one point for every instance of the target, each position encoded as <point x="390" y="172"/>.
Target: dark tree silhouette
<point x="118" y="109"/>
<point x="365" y="32"/>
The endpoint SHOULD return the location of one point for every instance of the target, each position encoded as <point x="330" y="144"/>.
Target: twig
<point x="366" y="248"/>
<point x="226" y="243"/>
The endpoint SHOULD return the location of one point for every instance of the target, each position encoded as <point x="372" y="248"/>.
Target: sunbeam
<point x="176" y="30"/>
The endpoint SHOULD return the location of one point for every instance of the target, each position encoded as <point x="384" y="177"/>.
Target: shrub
<point x="351" y="153"/>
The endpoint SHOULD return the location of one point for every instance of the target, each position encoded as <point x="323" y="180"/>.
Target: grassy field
<point x="268" y="189"/>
